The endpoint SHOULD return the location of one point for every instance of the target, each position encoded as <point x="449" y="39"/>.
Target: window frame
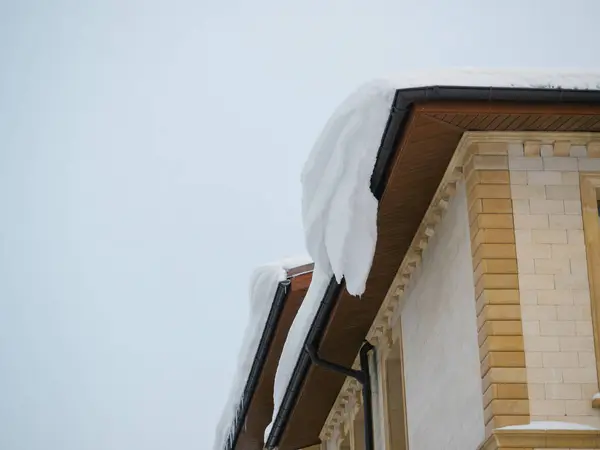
<point x="393" y="355"/>
<point x="589" y="190"/>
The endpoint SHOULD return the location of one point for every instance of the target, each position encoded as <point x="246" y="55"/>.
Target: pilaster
<point x="496" y="284"/>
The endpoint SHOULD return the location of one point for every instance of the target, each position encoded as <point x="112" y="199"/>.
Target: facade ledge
<point x="555" y="438"/>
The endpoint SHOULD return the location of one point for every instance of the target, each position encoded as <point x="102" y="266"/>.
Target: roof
<point x="277" y="292"/>
<point x="423" y="129"/>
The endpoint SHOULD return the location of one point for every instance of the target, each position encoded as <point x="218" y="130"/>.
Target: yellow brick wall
<point x="530" y="270"/>
<point x="553" y="279"/>
<point x="495" y="275"/>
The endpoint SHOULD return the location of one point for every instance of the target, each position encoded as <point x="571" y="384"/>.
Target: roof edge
<point x="258" y="364"/>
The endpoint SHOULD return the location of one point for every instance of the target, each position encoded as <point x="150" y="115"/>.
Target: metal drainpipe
<point x="367" y="395"/>
<point x="363" y="376"/>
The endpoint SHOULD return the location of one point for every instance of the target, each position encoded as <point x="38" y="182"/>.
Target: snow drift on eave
<point x="263" y="286"/>
<point x="339" y="210"/>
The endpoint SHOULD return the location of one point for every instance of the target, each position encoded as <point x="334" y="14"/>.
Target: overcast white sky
<point x="150" y="155"/>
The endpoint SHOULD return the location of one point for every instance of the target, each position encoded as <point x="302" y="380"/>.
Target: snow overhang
<point x="422" y="132"/>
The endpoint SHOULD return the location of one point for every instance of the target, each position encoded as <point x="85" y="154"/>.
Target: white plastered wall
<point x="439" y="334"/>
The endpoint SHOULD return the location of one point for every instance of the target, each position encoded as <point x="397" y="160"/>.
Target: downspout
<point x="367" y="395"/>
<point x="363" y="376"/>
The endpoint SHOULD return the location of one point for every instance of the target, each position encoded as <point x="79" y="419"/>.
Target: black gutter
<point x="258" y="364"/>
<point x="402" y="106"/>
<point x="406" y="98"/>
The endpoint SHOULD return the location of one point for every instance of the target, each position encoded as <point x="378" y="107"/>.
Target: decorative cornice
<point x="346" y="407"/>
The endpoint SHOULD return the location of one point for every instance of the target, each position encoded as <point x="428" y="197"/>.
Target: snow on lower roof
<point x="263" y="285"/>
<point x="339" y="210"/>
<point x="297" y="334"/>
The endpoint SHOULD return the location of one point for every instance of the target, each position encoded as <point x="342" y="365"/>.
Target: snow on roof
<point x="518" y="78"/>
<point x="297" y="334"/>
<point x="263" y="285"/>
<point x="549" y="426"/>
<point x="339" y="210"/>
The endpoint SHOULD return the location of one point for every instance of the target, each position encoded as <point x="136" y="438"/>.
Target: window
<point x="590" y="205"/>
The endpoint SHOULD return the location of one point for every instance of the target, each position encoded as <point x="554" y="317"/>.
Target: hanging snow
<point x="338" y="209"/>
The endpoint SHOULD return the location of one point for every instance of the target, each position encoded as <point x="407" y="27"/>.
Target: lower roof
<point x="256" y="407"/>
<point x="424" y="128"/>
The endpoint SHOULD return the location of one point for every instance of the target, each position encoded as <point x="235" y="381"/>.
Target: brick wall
<point x="553" y="279"/>
<point x="495" y="276"/>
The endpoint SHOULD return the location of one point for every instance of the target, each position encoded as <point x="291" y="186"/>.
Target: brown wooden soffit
<point x="430" y="138"/>
<point x="261" y="407"/>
